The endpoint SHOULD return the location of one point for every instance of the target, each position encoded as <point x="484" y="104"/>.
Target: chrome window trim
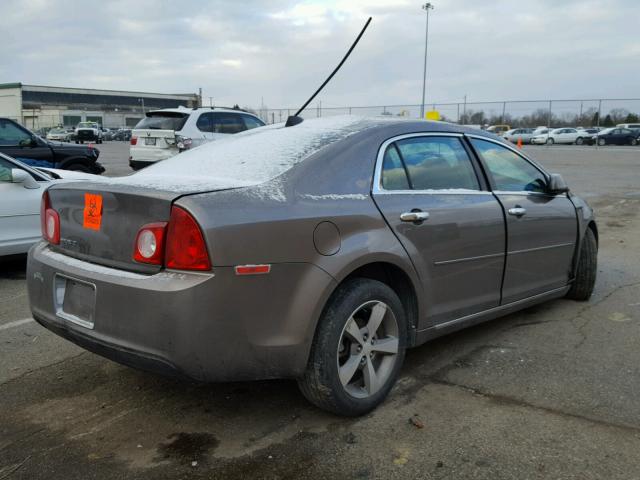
<point x="377" y="187"/>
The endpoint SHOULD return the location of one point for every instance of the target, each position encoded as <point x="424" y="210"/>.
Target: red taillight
<point x="134" y="140"/>
<point x="49" y="221"/>
<point x="149" y="246"/>
<point x="185" y="247"/>
<point x="178" y="244"/>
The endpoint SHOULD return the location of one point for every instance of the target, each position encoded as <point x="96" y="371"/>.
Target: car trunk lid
<point x="99" y="222"/>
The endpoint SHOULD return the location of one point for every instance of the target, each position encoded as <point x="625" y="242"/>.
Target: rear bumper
<point x="98" y="168"/>
<point x="209" y="327"/>
<point x="149" y="155"/>
<point x="138" y="164"/>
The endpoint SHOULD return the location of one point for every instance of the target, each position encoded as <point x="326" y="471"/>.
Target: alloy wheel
<point x="368" y="349"/>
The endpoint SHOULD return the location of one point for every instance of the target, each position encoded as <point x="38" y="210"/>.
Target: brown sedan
<point x="319" y="252"/>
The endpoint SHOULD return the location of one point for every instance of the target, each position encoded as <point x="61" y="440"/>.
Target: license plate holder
<point x="74" y="300"/>
<point x="150" y="141"/>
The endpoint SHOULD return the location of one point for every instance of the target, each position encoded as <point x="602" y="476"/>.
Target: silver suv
<point x="164" y="133"/>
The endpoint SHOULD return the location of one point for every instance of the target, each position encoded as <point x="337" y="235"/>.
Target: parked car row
<point x="624" y="134"/>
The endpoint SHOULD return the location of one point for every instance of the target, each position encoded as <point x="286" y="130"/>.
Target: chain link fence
<point x="515" y="113"/>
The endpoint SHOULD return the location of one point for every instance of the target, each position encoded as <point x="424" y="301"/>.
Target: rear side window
<point x="510" y="172"/>
<point x="436" y="163"/>
<point x="394" y="175"/>
<point x="163" y="121"/>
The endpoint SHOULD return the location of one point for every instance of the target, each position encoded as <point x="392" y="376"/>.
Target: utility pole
<point x="427" y="7"/>
<point x="464" y="110"/>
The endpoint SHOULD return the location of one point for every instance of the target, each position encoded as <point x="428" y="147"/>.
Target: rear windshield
<point x="247" y="158"/>
<point x="163" y="121"/>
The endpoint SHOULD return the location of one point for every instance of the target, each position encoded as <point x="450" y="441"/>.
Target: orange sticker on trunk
<point x="92" y="211"/>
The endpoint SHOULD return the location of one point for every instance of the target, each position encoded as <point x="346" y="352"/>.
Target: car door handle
<point x="517" y="211"/>
<point x="414" y="216"/>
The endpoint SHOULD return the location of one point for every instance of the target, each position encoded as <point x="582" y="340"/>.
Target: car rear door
<point x="434" y="198"/>
<point x="541" y="227"/>
<point x="570" y="135"/>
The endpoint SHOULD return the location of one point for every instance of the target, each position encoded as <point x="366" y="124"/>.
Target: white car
<point x="632" y="126"/>
<point x="164" y="133"/>
<point x="21" y="189"/>
<point x="58" y="134"/>
<point x="515" y="134"/>
<point x="567" y="136"/>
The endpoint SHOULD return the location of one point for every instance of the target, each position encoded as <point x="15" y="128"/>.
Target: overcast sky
<point x="240" y="51"/>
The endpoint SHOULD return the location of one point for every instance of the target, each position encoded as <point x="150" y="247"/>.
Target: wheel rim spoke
<point x="370" y="377"/>
<point x="348" y="370"/>
<point x="377" y="314"/>
<point x="387" y="345"/>
<point x="354" y="331"/>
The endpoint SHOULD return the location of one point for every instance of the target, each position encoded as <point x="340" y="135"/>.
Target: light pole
<point x="427" y="7"/>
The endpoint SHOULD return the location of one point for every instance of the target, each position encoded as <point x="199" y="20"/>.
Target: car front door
<point x="19" y="211"/>
<point x="434" y="198"/>
<point x="20" y="143"/>
<point x="541" y="227"/>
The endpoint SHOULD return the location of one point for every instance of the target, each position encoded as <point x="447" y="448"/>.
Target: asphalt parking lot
<point x="549" y="392"/>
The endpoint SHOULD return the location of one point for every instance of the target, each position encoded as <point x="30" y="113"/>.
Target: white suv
<point x="164" y="133"/>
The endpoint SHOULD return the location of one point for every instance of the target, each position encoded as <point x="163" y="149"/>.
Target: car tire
<point x="583" y="284"/>
<point x="355" y="307"/>
<point x="550" y="141"/>
<point x="633" y="142"/>
<point x="579" y="141"/>
<point x="602" y="142"/>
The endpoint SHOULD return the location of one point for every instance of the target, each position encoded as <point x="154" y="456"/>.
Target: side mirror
<point x="20" y="176"/>
<point x="557" y="184"/>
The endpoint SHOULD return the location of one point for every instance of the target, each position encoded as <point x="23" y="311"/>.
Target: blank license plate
<point x="149" y="141"/>
<point x="75" y="300"/>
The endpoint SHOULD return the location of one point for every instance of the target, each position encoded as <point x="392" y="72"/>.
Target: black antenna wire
<point x="293" y="120"/>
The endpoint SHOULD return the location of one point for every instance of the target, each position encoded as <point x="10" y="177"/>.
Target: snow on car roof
<point x="246" y="159"/>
